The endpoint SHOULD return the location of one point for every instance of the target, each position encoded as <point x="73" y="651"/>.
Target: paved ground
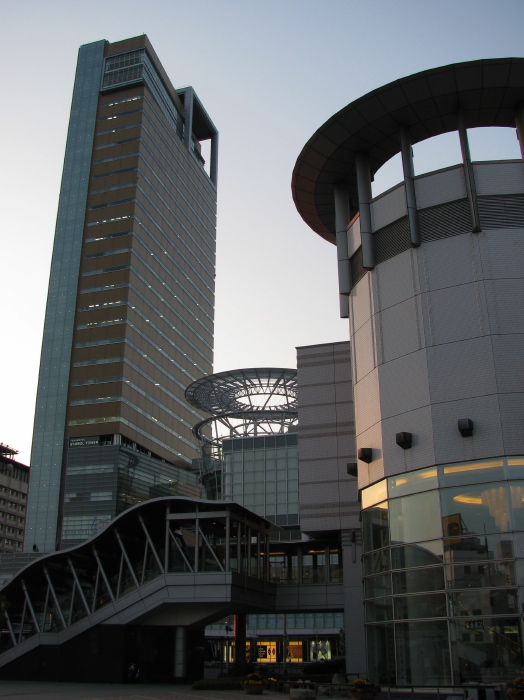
<point x="29" y="690"/>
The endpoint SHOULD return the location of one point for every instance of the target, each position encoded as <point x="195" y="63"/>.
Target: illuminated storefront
<point x="443" y="562"/>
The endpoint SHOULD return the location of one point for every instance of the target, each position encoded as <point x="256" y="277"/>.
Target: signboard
<point x="262" y="652"/>
<point x="474" y="625"/>
<point x="84" y="441"/>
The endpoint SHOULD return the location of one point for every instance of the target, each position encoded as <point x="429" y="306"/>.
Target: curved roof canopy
<point x="488" y="91"/>
<point x="245" y="390"/>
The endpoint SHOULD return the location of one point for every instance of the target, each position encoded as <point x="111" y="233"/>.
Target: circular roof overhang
<point x="245" y="390"/>
<point x="488" y="92"/>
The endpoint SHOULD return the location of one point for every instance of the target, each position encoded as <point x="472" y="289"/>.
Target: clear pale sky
<point x="269" y="72"/>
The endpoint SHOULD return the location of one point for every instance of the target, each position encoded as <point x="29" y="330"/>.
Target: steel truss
<point x="159" y="537"/>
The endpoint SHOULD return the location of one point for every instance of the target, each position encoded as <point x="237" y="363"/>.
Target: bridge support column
<point x="180" y="661"/>
<point x="240" y="640"/>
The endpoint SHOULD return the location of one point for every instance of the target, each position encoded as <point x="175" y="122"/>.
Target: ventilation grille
<point x="444" y="220"/>
<point x="391" y="240"/>
<point x="357" y="271"/>
<point x="501" y="212"/>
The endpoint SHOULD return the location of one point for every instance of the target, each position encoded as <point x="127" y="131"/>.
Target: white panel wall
<point x="499" y="178"/>
<point x="439" y="187"/>
<point x="389" y="207"/>
<point x="438" y="335"/>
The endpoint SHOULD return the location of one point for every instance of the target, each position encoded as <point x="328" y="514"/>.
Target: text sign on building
<point x="84" y="441"/>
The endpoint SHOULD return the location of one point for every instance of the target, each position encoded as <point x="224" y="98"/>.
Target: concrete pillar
<point x="519" y="123"/>
<point x="342" y="218"/>
<point x="213" y="167"/>
<point x="180" y="665"/>
<point x="240" y="640"/>
<point x="409" y="183"/>
<point x="188" y="117"/>
<point x="468" y="173"/>
<point x="356" y="661"/>
<point x="364" y="205"/>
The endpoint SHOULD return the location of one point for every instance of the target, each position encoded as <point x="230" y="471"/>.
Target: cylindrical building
<point x="432" y="280"/>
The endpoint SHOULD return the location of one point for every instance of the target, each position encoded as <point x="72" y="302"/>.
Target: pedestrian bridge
<point x="169" y="562"/>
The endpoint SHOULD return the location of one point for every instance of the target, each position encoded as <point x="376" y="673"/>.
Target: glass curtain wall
<point x="443" y="563"/>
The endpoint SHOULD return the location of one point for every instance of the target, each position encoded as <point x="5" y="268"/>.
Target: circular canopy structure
<point x="239" y="391"/>
<point x="488" y="93"/>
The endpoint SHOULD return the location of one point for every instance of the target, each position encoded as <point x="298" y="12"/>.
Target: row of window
<point x="13" y="492"/>
<point x="476" y="509"/>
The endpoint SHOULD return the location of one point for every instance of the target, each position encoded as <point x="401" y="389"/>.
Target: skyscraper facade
<point x="130" y="309"/>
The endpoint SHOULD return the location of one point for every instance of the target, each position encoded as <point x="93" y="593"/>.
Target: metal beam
<point x="55" y="599"/>
<point x="150" y="541"/>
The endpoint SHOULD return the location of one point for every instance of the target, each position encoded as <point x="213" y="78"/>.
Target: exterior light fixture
<point x="465" y="425"/>
<point x="365" y="454"/>
<point x="352" y="468"/>
<point x="404" y="440"/>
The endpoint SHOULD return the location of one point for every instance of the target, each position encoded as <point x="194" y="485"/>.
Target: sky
<point x="269" y="73"/>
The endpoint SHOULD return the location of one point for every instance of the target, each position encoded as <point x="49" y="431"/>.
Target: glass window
<point x="419" y="580"/>
<point x="379" y="610"/>
<point x="489" y="602"/>
<point x="377" y="586"/>
<point x="381" y="653"/>
<point x="375" y="527"/>
<point x="472" y="472"/>
<point x="415" y="518"/>
<point x="422" y="653"/>
<point x="486" y="650"/>
<point x="413" y="555"/>
<point x="460" y="549"/>
<point x="516" y="468"/>
<point x="520" y="572"/>
<point x="412" y="482"/>
<point x="314" y="567"/>
<point x="517" y="505"/>
<point x="413" y="606"/>
<point x="519" y="544"/>
<point x="485" y="575"/>
<point x="376" y="562"/>
<point x="374" y="494"/>
<point x="474" y="510"/>
<point x="335" y="567"/>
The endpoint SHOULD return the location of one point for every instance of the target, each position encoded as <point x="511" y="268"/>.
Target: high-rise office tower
<point x="129" y="318"/>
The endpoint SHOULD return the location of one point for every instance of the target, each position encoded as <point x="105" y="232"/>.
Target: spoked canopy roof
<point x="266" y="389"/>
<point x="488" y="92"/>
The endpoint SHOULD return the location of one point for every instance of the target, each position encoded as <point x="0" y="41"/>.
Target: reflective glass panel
<point x="376" y="562"/>
<point x="415" y="518"/>
<point x="460" y="549"/>
<point x="374" y="494"/>
<point x="519" y="544"/>
<point x="412" y="482"/>
<point x="416" y="606"/>
<point x="471" y="472"/>
<point x="485" y="575"/>
<point x="418" y="580"/>
<point x="379" y="610"/>
<point x="517" y="504"/>
<point x="520" y="572"/>
<point x="422" y="653"/>
<point x="377" y="586"/>
<point x="413" y="555"/>
<point x="488" y="602"/>
<point x="381" y="653"/>
<point x="516" y="468"/>
<point x="375" y="527"/>
<point x="486" y="650"/>
<point x="474" y="510"/>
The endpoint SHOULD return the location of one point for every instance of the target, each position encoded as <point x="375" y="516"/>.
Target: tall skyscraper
<point x="129" y="318"/>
